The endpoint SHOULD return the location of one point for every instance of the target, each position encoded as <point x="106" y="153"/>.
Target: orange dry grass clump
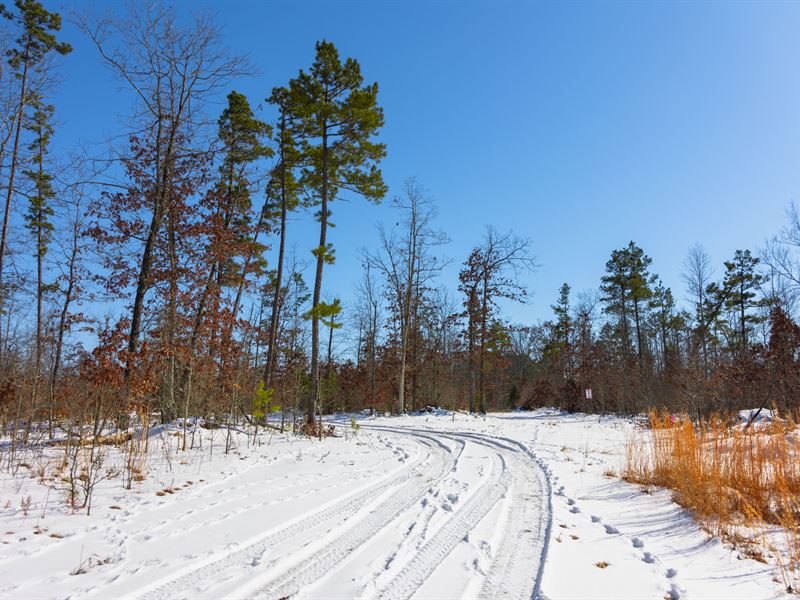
<point x="726" y="474"/>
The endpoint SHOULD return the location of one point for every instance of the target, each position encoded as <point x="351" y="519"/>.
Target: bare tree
<point x="368" y="320"/>
<point x="491" y="272"/>
<point x="697" y="275"/>
<point x="173" y="72"/>
<point x="407" y="263"/>
<point x="782" y="255"/>
<point x="69" y="283"/>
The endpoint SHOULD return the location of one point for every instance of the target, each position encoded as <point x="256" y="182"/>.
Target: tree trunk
<point x="62" y="326"/>
<point x="269" y="368"/>
<point x="142" y="284"/>
<point x="313" y="399"/>
<point x="638" y="330"/>
<point x="482" y="349"/>
<point x="23" y="92"/>
<point x="624" y="315"/>
<point x="406" y="307"/>
<point x="742" y="318"/>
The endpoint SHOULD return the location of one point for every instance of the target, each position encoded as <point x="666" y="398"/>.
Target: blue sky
<point x="580" y="125"/>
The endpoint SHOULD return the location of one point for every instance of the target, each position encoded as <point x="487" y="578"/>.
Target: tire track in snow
<point x="453" y="531"/>
<point x="511" y="574"/>
<point x="243" y="559"/>
<point x="516" y="567"/>
<point x="235" y="504"/>
<point x="311" y="569"/>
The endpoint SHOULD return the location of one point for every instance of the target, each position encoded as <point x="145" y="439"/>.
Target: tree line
<point x="139" y="280"/>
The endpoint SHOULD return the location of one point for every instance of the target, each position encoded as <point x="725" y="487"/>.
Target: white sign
<point x="588" y="392"/>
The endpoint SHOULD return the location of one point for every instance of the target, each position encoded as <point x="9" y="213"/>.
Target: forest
<point x="138" y="282"/>
<point x="245" y="354"/>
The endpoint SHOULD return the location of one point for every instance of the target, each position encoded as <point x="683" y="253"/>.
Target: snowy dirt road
<point x="393" y="511"/>
<point x="467" y="515"/>
<point x="513" y="505"/>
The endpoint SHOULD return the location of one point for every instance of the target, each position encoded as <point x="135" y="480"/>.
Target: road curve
<point x="510" y="498"/>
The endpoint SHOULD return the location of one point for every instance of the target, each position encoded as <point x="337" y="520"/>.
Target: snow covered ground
<point x="512" y="505"/>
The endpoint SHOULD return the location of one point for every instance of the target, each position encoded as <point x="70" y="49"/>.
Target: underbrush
<point x="82" y="455"/>
<point x="741" y="483"/>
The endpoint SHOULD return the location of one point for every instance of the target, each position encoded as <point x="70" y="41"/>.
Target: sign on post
<point x="588" y="393"/>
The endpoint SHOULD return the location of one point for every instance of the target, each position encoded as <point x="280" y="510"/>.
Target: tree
<point x="232" y="237"/>
<point x="560" y="348"/>
<point x="283" y="190"/>
<point x="490" y="273"/>
<point x="626" y="288"/>
<point x="668" y="323"/>
<point x="697" y="274"/>
<point x="740" y="282"/>
<point x="405" y="261"/>
<point x="337" y="117"/>
<point x="40" y="211"/>
<point x="70" y="288"/>
<point x="781" y="256"/>
<point x="36" y="41"/>
<point x="172" y="71"/>
<point x="368" y="322"/>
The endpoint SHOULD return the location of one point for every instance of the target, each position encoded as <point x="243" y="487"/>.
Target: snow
<point x="756" y="415"/>
<point x="509" y="505"/>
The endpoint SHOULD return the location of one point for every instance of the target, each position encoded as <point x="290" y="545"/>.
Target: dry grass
<point x="730" y="477"/>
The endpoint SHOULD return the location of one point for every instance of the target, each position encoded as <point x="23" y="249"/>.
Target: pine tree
<point x="38" y="218"/>
<point x="626" y="288"/>
<point x="667" y="323"/>
<point x="559" y="347"/>
<point x="282" y="191"/>
<point x="740" y="282"/>
<point x="562" y="328"/>
<point x="231" y="234"/>
<point x="35" y="42"/>
<point x="241" y="135"/>
<point x="337" y="117"/>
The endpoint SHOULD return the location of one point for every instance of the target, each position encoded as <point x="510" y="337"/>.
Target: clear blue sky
<point x="579" y="125"/>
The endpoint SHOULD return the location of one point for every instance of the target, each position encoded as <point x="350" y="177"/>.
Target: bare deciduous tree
<point x="173" y="71"/>
<point x="697" y="275"/>
<point x="407" y="264"/>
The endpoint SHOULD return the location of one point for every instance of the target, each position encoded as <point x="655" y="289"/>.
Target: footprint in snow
<point x="649" y="558"/>
<point x="673" y="593"/>
<point x="574" y="510"/>
<point x="638" y="543"/>
<point x="570" y="501"/>
<point x="670" y="573"/>
<point x="610" y="529"/>
<point x="596" y="519"/>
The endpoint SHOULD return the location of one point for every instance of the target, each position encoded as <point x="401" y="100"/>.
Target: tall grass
<point x="734" y="479"/>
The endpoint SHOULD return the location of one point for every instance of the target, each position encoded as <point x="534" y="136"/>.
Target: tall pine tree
<point x="337" y="118"/>
<point x="282" y="193"/>
<point x="38" y="218"/>
<point x="626" y="288"/>
<point x="740" y="284"/>
<point x="36" y="40"/>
